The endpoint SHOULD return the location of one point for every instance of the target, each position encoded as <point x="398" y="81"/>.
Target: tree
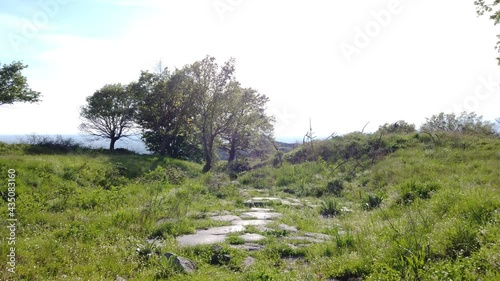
<point x="212" y="86"/>
<point x="400" y="127"/>
<point x="468" y="123"/>
<point x="165" y="112"/>
<point x="249" y="121"/>
<point x="14" y="86"/>
<point x="109" y="113"/>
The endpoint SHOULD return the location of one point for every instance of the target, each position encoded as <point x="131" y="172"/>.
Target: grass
<point x="413" y="209"/>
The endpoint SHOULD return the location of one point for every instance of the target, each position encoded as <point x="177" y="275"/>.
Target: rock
<point x="287" y="228"/>
<point x="221" y="230"/>
<point x="225" y="218"/>
<point x="119" y="278"/>
<point x="255" y="209"/>
<point x="184" y="264"/>
<point x="248" y="246"/>
<point x="218" y="258"/>
<point x="209" y="236"/>
<point x="261" y="215"/>
<point x="252" y="237"/>
<point x="247" y="262"/>
<point x="200" y="239"/>
<point x="250" y="222"/>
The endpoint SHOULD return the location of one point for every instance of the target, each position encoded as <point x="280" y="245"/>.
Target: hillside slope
<point x="401" y="207"/>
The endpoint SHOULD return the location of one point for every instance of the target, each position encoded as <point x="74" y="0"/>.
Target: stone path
<point x="257" y="216"/>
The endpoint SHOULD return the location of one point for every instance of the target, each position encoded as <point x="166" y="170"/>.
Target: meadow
<point x="395" y="207"/>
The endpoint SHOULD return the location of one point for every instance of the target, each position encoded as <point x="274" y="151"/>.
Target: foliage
<point x="14" y="86"/>
<point x="165" y="112"/>
<point x="467" y="123"/>
<point x="109" y="113"/>
<point x="399" y="127"/>
<point x="249" y="125"/>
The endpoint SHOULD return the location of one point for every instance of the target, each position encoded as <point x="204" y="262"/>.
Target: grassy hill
<point x="397" y="207"/>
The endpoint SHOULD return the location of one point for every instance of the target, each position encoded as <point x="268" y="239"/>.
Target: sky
<point x="338" y="65"/>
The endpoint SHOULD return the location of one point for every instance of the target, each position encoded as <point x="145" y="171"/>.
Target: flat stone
<point x="209" y="236"/>
<point x="225" y="218"/>
<point x="197" y="239"/>
<point x="247" y="262"/>
<point x="287" y="228"/>
<point x="248" y="246"/>
<point x="252" y="237"/>
<point x="221" y="230"/>
<point x="261" y="215"/>
<point x="255" y="209"/>
<point x="266" y="199"/>
<point x="250" y="222"/>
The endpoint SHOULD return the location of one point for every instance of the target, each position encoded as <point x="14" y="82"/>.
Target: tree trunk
<point x="208" y="154"/>
<point x="112" y="144"/>
<point x="232" y="152"/>
<point x="163" y="146"/>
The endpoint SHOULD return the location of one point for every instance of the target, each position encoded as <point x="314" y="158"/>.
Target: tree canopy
<point x="14" y="86"/>
<point x="109" y="113"/>
<point x="468" y="123"/>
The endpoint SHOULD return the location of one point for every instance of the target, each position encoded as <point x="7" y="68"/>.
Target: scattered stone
<point x="255" y="209"/>
<point x="225" y="218"/>
<point x="221" y="230"/>
<point x="247" y="262"/>
<point x="251" y="203"/>
<point x="209" y="236"/>
<point x="266" y="199"/>
<point x="248" y="246"/>
<point x="252" y="237"/>
<point x="119" y="278"/>
<point x="197" y="239"/>
<point x="261" y="215"/>
<point x="217" y="257"/>
<point x="287" y="228"/>
<point x="186" y="265"/>
<point x="250" y="222"/>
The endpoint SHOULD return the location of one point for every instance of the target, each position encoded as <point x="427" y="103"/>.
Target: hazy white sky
<point x="339" y="63"/>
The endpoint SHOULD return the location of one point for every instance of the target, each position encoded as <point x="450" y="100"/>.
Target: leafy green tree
<point x="109" y="113"/>
<point x="165" y="112"/>
<point x="249" y="122"/>
<point x="14" y="86"/>
<point x="399" y="127"/>
<point x="212" y="87"/>
<point x="468" y="123"/>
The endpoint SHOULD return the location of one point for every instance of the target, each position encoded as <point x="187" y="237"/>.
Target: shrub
<point x="330" y="207"/>
<point x="372" y="201"/>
